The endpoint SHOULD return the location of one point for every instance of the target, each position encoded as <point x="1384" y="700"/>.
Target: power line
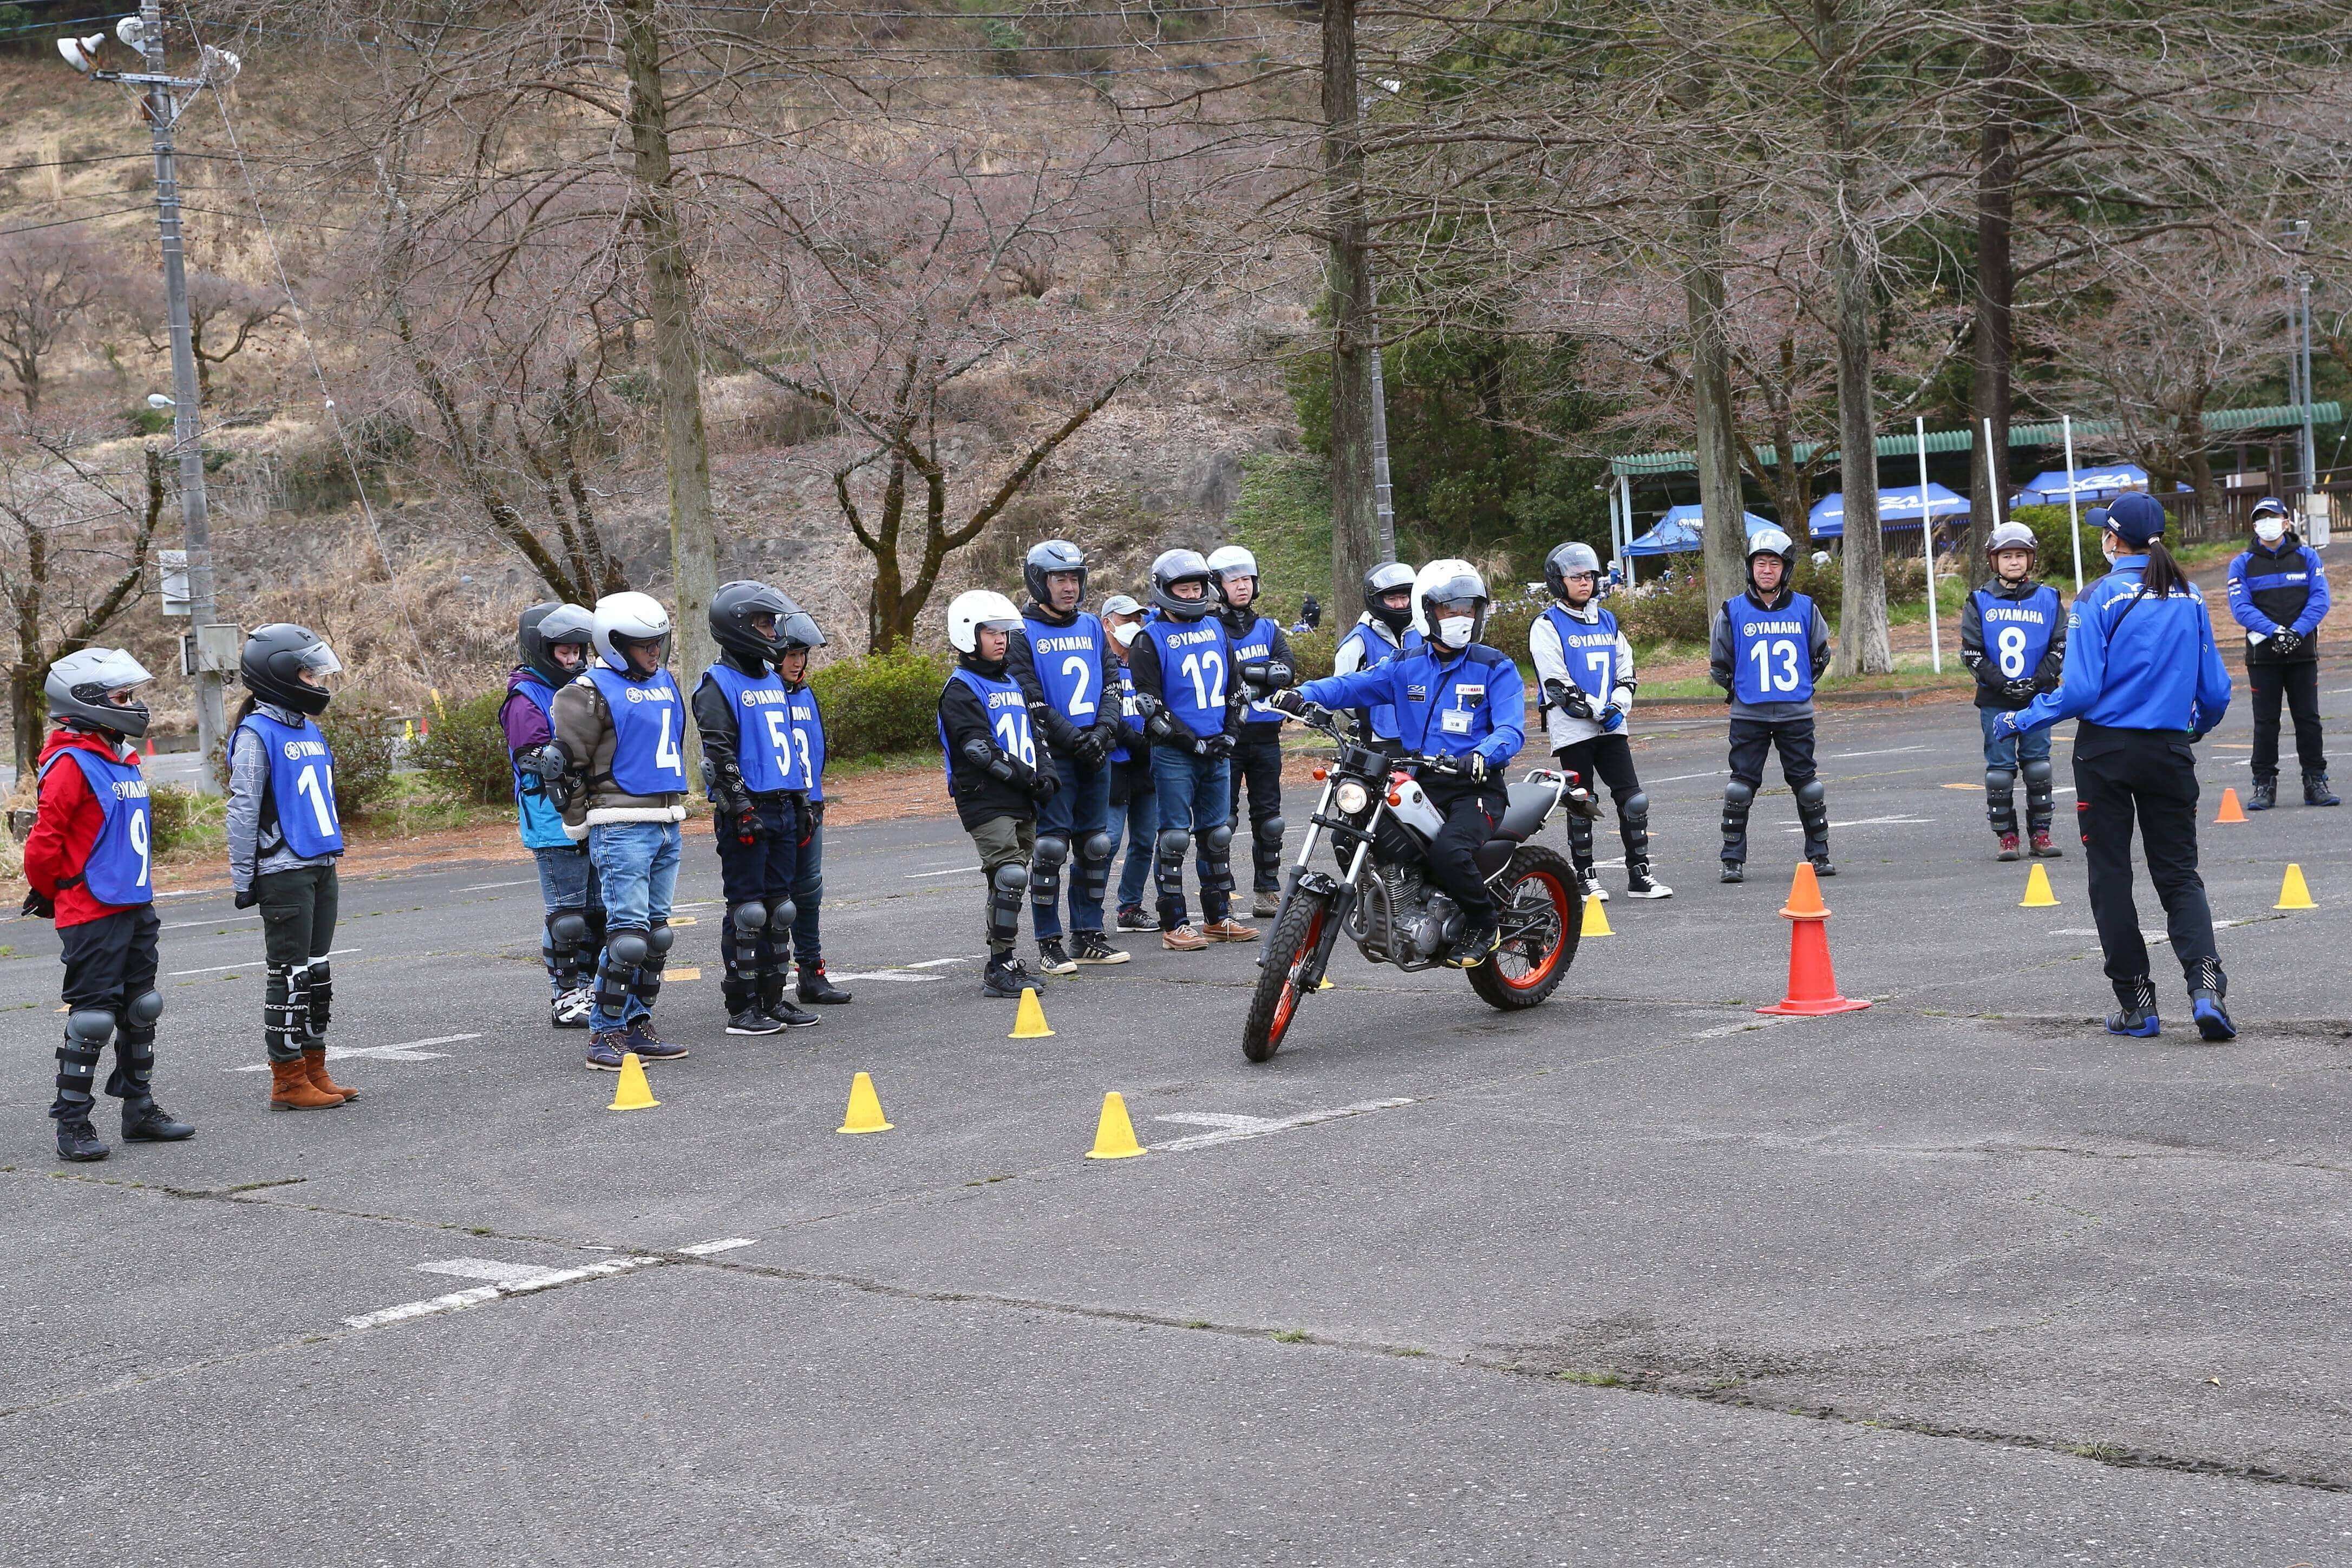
<point x="63" y="222"/>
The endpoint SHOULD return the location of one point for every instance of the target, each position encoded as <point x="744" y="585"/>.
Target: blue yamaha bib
<point x="1068" y="662"/>
<point x="2017" y="632"/>
<point x="808" y="740"/>
<point x="1196" y="662"/>
<point x="535" y="814"/>
<point x="120" y="865"/>
<point x="648" y="724"/>
<point x="1589" y="651"/>
<point x="1255" y="647"/>
<point x="1772" y="650"/>
<point x="301" y="785"/>
<point x="1008" y="721"/>
<point x="1377" y="650"/>
<point x="764" y="752"/>
<point x="1130" y="708"/>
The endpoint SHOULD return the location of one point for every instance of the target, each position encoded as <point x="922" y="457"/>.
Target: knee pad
<point x="1635" y="807"/>
<point x="659" y="941"/>
<point x="90" y="1028"/>
<point x="781" y="915"/>
<point x="628" y="948"/>
<point x="1172" y="844"/>
<point x="144" y="1009"/>
<point x="1272" y="827"/>
<point x="1051" y="850"/>
<point x="1095" y="849"/>
<point x="1811" y="795"/>
<point x="1010" y="878"/>
<point x="2000" y="781"/>
<point x="1217" y="840"/>
<point x="2037" y="773"/>
<point x="1737" y="797"/>
<point x="749" y="919"/>
<point x="567" y="930"/>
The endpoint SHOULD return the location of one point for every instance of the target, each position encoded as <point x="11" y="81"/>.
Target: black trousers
<point x="1257" y="763"/>
<point x="765" y="871"/>
<point x="297" y="928"/>
<point x="1752" y="741"/>
<point x="1471" y="810"/>
<point x="1610" y="759"/>
<point x="2298" y="682"/>
<point x="108" y="962"/>
<point x="2150" y="775"/>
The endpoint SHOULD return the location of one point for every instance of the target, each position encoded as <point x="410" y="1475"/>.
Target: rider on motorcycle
<point x="1460" y="708"/>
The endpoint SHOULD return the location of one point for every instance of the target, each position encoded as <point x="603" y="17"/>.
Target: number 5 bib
<point x="301" y="785"/>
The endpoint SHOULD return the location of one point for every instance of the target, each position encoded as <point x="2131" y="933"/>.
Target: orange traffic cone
<point x="1813" y="984"/>
<point x="2230" y="810"/>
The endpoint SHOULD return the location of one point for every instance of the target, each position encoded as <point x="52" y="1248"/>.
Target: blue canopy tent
<point x="1678" y="532"/>
<point x="1896" y="509"/>
<point x="2090" y="485"/>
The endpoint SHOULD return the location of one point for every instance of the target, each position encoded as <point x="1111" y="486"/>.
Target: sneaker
<point x="1133" y="919"/>
<point x="1821" y="866"/>
<point x="1229" y="930"/>
<point x="2212" y="1019"/>
<point x="2264" y="794"/>
<point x="1588" y="884"/>
<point x="2137" y="1018"/>
<point x="818" y="989"/>
<point x="1265" y="906"/>
<point x="752" y="1021"/>
<point x="1733" y="872"/>
<point x="605" y="1049"/>
<point x="2315" y="790"/>
<point x="1183" y="939"/>
<point x="1640" y="884"/>
<point x="2043" y="849"/>
<point x="784" y="1013"/>
<point x="150" y="1123"/>
<point x="650" y="1046"/>
<point x="2009" y="847"/>
<point x="1053" y="959"/>
<point x="77" y="1140"/>
<point x="1093" y="948"/>
<point x="1476" y="944"/>
<point x="1006" y="977"/>
<point x="569" y="1011"/>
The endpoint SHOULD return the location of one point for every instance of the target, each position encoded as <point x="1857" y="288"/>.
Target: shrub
<point x="881" y="703"/>
<point x="179" y="818"/>
<point x="463" y="753"/>
<point x="2049" y="526"/>
<point x="1676" y="612"/>
<point x="359" y="729"/>
<point x="1311" y="653"/>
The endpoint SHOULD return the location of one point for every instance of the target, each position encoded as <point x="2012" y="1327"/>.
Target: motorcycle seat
<point x="1525" y="814"/>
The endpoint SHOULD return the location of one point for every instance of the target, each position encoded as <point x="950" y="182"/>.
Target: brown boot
<point x="291" y="1089"/>
<point x="314" y="1063"/>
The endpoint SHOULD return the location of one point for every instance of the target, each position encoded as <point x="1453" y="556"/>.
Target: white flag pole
<point x="2074" y="530"/>
<point x="1927" y="538"/>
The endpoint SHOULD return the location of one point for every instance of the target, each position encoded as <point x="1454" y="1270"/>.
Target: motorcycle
<point x="1381" y="821"/>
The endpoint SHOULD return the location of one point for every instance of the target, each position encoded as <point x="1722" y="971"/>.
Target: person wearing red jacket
<point x="89" y="863"/>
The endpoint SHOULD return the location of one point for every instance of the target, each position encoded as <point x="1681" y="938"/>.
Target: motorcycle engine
<point x="1439" y="925"/>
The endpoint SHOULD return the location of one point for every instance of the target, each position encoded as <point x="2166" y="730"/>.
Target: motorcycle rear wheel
<point x="1536" y="893"/>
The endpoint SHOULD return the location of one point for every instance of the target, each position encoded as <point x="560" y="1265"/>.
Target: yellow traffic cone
<point x="2038" y="895"/>
<point x="2295" y="893"/>
<point x="1596" y="918"/>
<point x="865" y="1114"/>
<point x="632" y="1092"/>
<point x="1114" y="1133"/>
<point x="1029" y="1024"/>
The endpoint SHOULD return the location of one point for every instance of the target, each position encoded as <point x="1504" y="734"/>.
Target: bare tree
<point x="74" y="538"/>
<point x="223" y="314"/>
<point x="46" y="286"/>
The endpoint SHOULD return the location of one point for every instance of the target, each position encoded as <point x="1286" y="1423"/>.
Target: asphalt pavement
<point x="1639" y="1275"/>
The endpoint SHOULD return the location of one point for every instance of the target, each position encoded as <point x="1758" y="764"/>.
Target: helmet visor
<point x="317" y="662"/>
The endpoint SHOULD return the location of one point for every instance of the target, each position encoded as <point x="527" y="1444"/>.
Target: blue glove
<point x="1612" y="717"/>
<point x="2004" y="724"/>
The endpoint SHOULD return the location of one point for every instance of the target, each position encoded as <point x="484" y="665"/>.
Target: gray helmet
<point x="1178" y="566"/>
<point x="1387" y="578"/>
<point x="799" y="630"/>
<point x="78" y="686"/>
<point x="542" y="627"/>
<point x="731" y="609"/>
<point x="272" y="666"/>
<point x="1051" y="555"/>
<point x="1770" y="541"/>
<point x="1564" y="562"/>
<point x="2012" y="536"/>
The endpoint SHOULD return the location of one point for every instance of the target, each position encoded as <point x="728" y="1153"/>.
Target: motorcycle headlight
<point x="1350" y="797"/>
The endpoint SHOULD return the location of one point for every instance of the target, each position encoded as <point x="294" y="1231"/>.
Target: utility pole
<point x="2296" y="234"/>
<point x="146" y="35"/>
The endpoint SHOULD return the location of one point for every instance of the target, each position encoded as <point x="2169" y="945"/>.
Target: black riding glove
<point x="40" y="906"/>
<point x="246" y="898"/>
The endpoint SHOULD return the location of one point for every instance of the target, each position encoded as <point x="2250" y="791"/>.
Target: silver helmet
<point x="1183" y="566"/>
<point x="79" y="685"/>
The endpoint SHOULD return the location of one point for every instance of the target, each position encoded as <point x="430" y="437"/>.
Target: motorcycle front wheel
<point x="1537" y="896"/>
<point x="1287" y="948"/>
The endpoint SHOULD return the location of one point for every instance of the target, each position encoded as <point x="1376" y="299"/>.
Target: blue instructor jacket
<point x="2135" y="662"/>
<point x="1469" y="701"/>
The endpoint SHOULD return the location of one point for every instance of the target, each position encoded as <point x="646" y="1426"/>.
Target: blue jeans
<point x="1136" y="820"/>
<point x="1195" y="793"/>
<point x="2010" y="751"/>
<point x="567" y="880"/>
<point x="1080" y="808"/>
<point x="808" y="892"/>
<point x="636" y="866"/>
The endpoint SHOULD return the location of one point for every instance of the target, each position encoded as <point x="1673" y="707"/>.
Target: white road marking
<point x="1240" y="1127"/>
<point x="1678" y="778"/>
<point x="410" y="1051"/>
<point x="536" y="1279"/>
<point x="485" y="887"/>
<point x="223" y="921"/>
<point x="217" y="968"/>
<point x="486" y="1268"/>
<point x="1867" y="822"/>
<point x="727" y="1244"/>
<point x="900" y="976"/>
<point x="2158" y="937"/>
<point x="952" y="871"/>
<point x="1889" y="751"/>
<point x="935" y="962"/>
<point x="1741" y="1028"/>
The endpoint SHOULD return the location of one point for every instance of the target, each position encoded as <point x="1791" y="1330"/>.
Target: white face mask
<point x="2270" y="530"/>
<point x="1455" y="631"/>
